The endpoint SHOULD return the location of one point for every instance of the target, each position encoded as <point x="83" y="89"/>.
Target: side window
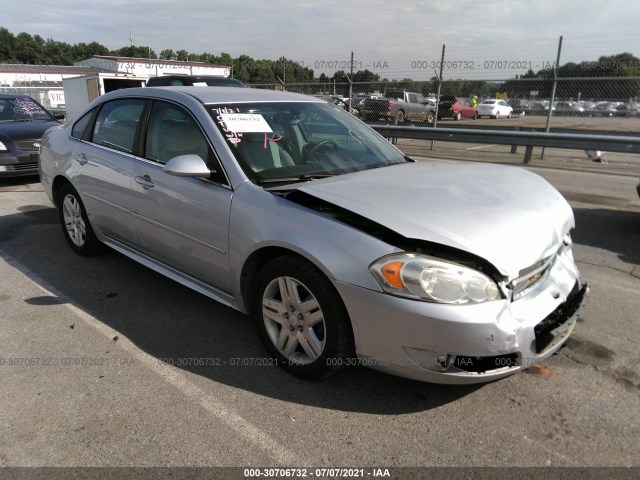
<point x="81" y="125"/>
<point x="171" y="132"/>
<point x="117" y="123"/>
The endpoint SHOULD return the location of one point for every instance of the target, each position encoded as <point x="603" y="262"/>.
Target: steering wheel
<point x="313" y="150"/>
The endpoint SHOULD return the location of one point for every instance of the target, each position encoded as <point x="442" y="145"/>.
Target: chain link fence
<point x="596" y="105"/>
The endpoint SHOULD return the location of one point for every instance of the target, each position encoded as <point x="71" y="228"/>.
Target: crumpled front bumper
<point x="464" y="344"/>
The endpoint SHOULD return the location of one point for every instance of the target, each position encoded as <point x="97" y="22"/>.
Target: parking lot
<point x="582" y="124"/>
<point x="106" y="363"/>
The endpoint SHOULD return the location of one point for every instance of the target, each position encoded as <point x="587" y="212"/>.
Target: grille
<point x="530" y="277"/>
<point x="29" y="145"/>
<point x="20" y="167"/>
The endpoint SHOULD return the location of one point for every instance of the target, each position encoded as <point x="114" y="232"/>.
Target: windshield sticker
<point x="29" y="107"/>
<point x="245" y="123"/>
<point x="232" y="137"/>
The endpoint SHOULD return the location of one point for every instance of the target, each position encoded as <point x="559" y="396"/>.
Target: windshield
<point x="289" y="142"/>
<point x="22" y="109"/>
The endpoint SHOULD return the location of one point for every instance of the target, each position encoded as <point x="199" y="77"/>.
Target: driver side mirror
<point x="190" y="165"/>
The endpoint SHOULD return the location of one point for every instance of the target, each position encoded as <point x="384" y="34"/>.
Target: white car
<point x="494" y="108"/>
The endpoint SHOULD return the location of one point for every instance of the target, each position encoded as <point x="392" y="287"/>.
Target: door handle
<point x="145" y="182"/>
<point x="80" y="158"/>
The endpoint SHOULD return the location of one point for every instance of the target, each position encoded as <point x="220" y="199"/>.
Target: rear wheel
<point x="457" y="116"/>
<point x="497" y="115"/>
<point x="430" y="117"/>
<point x="400" y="116"/>
<point x="509" y="115"/>
<point x="75" y="223"/>
<point x="301" y="319"/>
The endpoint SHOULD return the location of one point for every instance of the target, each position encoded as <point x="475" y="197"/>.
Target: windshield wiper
<point x="301" y="178"/>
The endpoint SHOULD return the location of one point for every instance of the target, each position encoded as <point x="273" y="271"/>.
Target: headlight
<point x="425" y="278"/>
<point x="3" y="147"/>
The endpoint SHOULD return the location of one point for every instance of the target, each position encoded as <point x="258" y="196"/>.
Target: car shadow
<point x="19" y="180"/>
<point x="617" y="231"/>
<point x="172" y="323"/>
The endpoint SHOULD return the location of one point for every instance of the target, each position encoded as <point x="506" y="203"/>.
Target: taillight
<point x="389" y="106"/>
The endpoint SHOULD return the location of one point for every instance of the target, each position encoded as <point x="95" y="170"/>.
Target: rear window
<point x="117" y="123"/>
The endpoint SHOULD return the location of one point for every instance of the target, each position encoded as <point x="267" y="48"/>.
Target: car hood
<point x="506" y="215"/>
<point x="24" y="130"/>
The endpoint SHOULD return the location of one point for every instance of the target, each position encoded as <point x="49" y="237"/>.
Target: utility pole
<point x="130" y="39"/>
<point x="351" y="83"/>
<point x="435" y="117"/>
<point x="553" y="91"/>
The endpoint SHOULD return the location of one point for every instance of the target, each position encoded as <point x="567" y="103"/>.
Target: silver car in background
<point x="344" y="251"/>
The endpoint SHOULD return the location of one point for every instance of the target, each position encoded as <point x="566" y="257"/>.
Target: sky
<point x="484" y="39"/>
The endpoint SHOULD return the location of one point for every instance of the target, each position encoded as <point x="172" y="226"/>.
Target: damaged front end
<point x="529" y="318"/>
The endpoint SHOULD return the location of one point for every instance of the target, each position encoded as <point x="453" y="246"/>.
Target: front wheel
<point x="301" y="319"/>
<point x="75" y="223"/>
<point x="457" y="116"/>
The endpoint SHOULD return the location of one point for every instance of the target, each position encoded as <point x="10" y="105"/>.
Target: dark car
<point x="194" y="80"/>
<point x="23" y="121"/>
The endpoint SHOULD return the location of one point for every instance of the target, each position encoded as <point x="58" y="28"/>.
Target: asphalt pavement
<point x="106" y="363"/>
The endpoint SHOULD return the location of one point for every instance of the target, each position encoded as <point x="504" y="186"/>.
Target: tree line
<point x="28" y="49"/>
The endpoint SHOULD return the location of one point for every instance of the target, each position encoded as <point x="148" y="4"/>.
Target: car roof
<point x="190" y="79"/>
<point x="213" y="95"/>
<point x="13" y="95"/>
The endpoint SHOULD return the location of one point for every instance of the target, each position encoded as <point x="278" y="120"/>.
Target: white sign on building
<point x="151" y="67"/>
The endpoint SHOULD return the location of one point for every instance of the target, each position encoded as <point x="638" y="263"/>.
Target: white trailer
<point x="81" y="91"/>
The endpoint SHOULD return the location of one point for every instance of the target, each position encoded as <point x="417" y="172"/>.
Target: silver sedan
<point x="344" y="250"/>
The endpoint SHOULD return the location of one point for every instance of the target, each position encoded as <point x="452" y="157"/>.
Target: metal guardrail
<point x="608" y="143"/>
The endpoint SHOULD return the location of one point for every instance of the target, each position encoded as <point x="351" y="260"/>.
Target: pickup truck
<point x="398" y="106"/>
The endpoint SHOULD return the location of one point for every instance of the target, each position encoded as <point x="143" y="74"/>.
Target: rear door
<point x="181" y="222"/>
<point x="102" y="164"/>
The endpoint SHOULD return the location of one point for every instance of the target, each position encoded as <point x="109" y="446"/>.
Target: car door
<point x="181" y="222"/>
<point x="103" y="162"/>
<point x="412" y="107"/>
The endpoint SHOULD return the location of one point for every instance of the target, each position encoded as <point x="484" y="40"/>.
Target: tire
<point x="400" y="117"/>
<point x="430" y="117"/>
<point x="509" y="115"/>
<point x="287" y="290"/>
<point x="75" y="224"/>
<point x="457" y="116"/>
<point x="497" y="115"/>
